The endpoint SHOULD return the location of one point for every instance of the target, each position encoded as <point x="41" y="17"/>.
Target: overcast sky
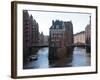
<point x="44" y="19"/>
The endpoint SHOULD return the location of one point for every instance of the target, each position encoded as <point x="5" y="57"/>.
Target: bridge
<point x="79" y="45"/>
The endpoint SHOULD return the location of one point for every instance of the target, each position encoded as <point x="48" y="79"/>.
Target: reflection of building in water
<point x="30" y="33"/>
<point x="88" y="35"/>
<point x="61" y="36"/>
<point x="79" y="38"/>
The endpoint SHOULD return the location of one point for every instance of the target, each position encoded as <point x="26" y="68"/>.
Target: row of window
<point x="56" y="35"/>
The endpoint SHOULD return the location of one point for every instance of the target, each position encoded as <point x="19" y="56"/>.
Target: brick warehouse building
<point x="61" y="37"/>
<point x="30" y="33"/>
<point x="88" y="36"/>
<point x="79" y="38"/>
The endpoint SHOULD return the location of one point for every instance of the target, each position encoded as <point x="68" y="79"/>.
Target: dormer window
<point x="57" y="26"/>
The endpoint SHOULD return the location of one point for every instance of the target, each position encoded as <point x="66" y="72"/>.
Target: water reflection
<point x="41" y="62"/>
<point x="78" y="58"/>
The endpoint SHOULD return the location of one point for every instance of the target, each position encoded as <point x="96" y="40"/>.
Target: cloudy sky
<point x="44" y="19"/>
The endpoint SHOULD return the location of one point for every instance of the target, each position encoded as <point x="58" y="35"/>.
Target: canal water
<point x="79" y="58"/>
